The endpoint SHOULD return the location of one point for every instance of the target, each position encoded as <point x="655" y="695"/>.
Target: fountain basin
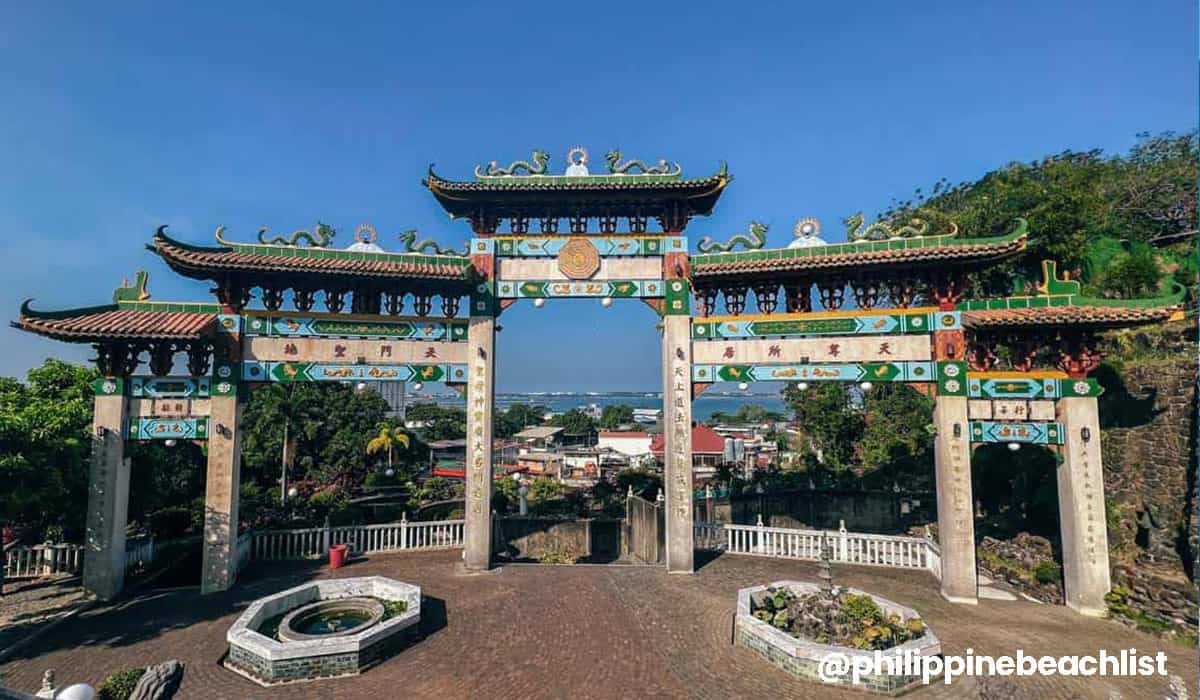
<point x="330" y="618"/>
<point x="328" y="628"/>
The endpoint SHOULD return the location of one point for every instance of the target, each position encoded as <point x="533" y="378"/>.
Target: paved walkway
<point x="28" y="604"/>
<point x="570" y="632"/>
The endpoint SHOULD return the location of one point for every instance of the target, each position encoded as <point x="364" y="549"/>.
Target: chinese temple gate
<point x="909" y="322"/>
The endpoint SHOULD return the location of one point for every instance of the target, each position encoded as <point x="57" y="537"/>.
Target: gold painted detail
<point x="578" y="259"/>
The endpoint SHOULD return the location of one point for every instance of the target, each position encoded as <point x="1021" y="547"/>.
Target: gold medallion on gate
<point x="578" y="259"/>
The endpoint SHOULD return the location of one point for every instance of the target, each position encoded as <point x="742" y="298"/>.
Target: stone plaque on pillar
<point x="222" y="484"/>
<point x="956" y="514"/>
<point x="108" y="499"/>
<point x="677" y="451"/>
<point x="481" y="342"/>
<point x="1081" y="508"/>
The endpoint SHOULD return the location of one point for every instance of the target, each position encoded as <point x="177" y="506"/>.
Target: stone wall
<point x="1148" y="420"/>
<point x="1158" y="595"/>
<point x="518" y="538"/>
<point x="880" y="512"/>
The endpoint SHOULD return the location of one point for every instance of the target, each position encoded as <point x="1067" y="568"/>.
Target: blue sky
<point x="118" y="119"/>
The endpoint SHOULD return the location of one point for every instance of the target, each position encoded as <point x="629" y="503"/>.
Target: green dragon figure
<point x="324" y="234"/>
<point x="881" y="231"/>
<point x="135" y="292"/>
<point x="540" y="159"/>
<point x="617" y="168"/>
<point x="409" y="238"/>
<point x="757" y="239"/>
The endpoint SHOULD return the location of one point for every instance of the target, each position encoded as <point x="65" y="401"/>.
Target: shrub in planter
<point x="1047" y="572"/>
<point x="120" y="685"/>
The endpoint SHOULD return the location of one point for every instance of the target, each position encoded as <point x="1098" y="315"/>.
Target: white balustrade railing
<point x="43" y="560"/>
<point x="895" y="551"/>
<point x="245" y="549"/>
<point x="709" y="536"/>
<point x="385" y="537"/>
<point x="139" y="553"/>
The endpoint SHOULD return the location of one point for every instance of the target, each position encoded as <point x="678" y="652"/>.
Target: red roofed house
<point x="708" y="451"/>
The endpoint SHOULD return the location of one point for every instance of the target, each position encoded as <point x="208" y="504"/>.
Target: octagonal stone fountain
<point x="802" y="657"/>
<point x="323" y="629"/>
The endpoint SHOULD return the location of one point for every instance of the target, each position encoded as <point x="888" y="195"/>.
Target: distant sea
<point x="702" y="408"/>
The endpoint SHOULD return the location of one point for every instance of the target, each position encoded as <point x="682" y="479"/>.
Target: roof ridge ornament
<point x="577" y="160"/>
<point x="616" y="167"/>
<point x="881" y="231"/>
<point x="133" y="292"/>
<point x="808" y="234"/>
<point x="409" y="239"/>
<point x="322" y="236"/>
<point x="756" y="240"/>
<point x="537" y="167"/>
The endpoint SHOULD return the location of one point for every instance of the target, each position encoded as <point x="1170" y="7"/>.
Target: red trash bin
<point x="337" y="555"/>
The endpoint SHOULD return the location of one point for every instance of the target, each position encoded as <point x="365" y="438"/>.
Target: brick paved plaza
<point x="557" y="632"/>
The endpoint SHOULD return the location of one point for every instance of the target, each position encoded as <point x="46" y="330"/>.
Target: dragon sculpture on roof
<point x="538" y="167"/>
<point x="616" y="167"/>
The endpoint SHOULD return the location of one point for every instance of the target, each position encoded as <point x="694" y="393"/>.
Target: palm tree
<point x="389" y="436"/>
<point x="298" y="418"/>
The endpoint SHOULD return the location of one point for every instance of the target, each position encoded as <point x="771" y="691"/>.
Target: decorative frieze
<point x="845" y="372"/>
<point x="259" y="371"/>
<point x="1021" y="432"/>
<point x="916" y="321"/>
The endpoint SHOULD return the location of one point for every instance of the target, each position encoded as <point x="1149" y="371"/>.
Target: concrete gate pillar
<point x="677" y="450"/>
<point x="1081" y="508"/>
<point x="956" y="516"/>
<point x="481" y="346"/>
<point x="108" y="496"/>
<point x="220" y="565"/>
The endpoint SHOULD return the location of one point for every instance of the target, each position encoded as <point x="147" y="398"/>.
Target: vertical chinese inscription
<point x="480" y="388"/>
<point x="677" y="424"/>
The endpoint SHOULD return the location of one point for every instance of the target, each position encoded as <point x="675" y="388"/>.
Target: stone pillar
<point x="1081" y="508"/>
<point x="108" y="494"/>
<point x="677" y="451"/>
<point x="481" y="346"/>
<point x="221" y="494"/>
<point x="956" y="515"/>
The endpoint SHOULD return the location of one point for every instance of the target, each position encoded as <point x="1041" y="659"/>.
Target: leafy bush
<point x="171" y="522"/>
<point x="1047" y="571"/>
<point x="859" y="611"/>
<point x="558" y="551"/>
<point x="392" y="608"/>
<point x="120" y="685"/>
<point x="846" y="620"/>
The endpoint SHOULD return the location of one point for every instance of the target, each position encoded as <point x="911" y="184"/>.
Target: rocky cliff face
<point x="1148" y="415"/>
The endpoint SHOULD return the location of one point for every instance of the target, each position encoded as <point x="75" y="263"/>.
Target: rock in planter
<point x="159" y="682"/>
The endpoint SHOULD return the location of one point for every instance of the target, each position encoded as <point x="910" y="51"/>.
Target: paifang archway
<point x="910" y="324"/>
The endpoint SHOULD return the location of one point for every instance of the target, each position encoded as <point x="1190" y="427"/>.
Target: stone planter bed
<point x="802" y="658"/>
<point x="269" y="661"/>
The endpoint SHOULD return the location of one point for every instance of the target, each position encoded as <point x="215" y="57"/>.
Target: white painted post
<point x="404" y="530"/>
<point x="759" y="537"/>
<point x="844" y="543"/>
<point x="326" y="538"/>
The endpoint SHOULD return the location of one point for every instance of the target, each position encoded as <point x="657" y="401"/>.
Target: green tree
<point x="517" y="417"/>
<point x="746" y="414"/>
<point x="829" y="424"/>
<point x="896" y="441"/>
<point x="45" y="428"/>
<point x="328" y="427"/>
<point x="1075" y="202"/>
<point x="387" y="440"/>
<point x="574" y="422"/>
<point x="616" y="416"/>
<point x="543" y="489"/>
